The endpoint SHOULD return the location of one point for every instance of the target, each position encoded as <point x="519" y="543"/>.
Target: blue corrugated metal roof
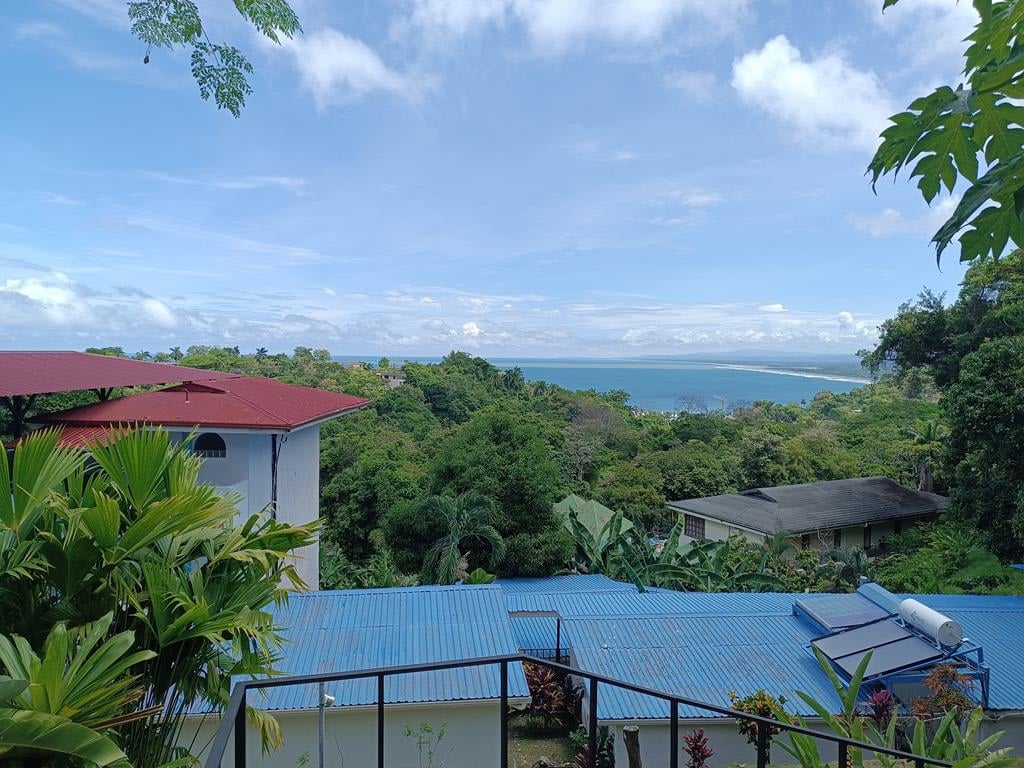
<point x="633" y="603"/>
<point x="703" y="645"/>
<point x="348" y="630"/>
<point x="700" y="658"/>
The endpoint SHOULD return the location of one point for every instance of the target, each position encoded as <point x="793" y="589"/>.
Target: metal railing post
<point x="673" y="736"/>
<point x="843" y="748"/>
<point x="762" y="745"/>
<point x="380" y="721"/>
<point x="240" y="734"/>
<point x="504" y="714"/>
<point x="592" y="725"/>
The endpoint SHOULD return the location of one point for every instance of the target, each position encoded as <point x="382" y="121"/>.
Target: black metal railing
<point x="233" y="721"/>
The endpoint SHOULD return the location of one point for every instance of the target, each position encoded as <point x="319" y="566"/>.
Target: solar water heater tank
<point x="944" y="630"/>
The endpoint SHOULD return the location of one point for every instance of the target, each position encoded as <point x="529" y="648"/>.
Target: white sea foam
<point x="790" y="372"/>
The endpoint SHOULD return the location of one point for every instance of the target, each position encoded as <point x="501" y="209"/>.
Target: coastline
<point x="790" y="372"/>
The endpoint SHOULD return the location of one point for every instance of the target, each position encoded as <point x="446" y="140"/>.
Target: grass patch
<point x="526" y="746"/>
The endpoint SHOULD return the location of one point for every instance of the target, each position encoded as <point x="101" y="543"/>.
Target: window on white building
<point x="210" y="445"/>
<point x="693" y="526"/>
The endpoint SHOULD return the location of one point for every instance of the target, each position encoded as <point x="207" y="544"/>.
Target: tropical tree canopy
<point x="971" y="132"/>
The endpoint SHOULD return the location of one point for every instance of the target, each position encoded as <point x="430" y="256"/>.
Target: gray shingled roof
<point x="815" y="506"/>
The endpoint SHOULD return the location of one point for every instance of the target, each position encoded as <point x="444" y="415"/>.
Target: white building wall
<point x="715" y="530"/>
<point x="247" y="470"/>
<point x="852" y="536"/>
<point x="471" y="740"/>
<point x="298" y="492"/>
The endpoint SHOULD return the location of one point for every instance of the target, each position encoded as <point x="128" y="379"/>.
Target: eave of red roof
<point x="38" y="373"/>
<point x="240" y="402"/>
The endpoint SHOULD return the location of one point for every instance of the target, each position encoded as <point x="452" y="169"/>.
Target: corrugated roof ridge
<point x="750" y="613"/>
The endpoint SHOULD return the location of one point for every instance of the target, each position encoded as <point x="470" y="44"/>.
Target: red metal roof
<point x="74" y="437"/>
<point x="37" y="373"/>
<point x="241" y="402"/>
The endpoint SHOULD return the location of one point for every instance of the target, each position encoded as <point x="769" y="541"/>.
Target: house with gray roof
<point x="859" y="511"/>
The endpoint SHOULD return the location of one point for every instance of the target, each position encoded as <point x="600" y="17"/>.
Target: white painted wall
<point x="715" y="530"/>
<point x="351" y="737"/>
<point x="298" y="492"/>
<point x="247" y="469"/>
<point x="852" y="536"/>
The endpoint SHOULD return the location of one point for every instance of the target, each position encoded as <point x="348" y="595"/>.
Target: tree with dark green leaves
<point x="220" y="69"/>
<point x="974" y="349"/>
<point x="970" y="132"/>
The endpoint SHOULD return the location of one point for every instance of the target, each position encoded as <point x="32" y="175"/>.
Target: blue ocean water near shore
<point x="658" y="384"/>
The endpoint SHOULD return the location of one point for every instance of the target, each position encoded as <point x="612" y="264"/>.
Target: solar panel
<point x="860" y="639"/>
<point x="891" y="657"/>
<point x="892" y="648"/>
<point x="833" y="612"/>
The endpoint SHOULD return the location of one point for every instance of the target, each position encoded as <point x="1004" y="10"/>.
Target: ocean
<point x="673" y="385"/>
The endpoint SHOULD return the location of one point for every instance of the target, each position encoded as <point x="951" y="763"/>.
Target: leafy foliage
<point x="696" y="746"/>
<point x="219" y="69"/>
<point x="941" y="136"/>
<point x="974" y="349"/>
<point x="553" y="697"/>
<point x="943" y="739"/>
<point x="135" y="536"/>
<point x="59" y="702"/>
<point x="469" y="519"/>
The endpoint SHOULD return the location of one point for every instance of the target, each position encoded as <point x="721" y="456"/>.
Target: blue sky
<point x="508" y="177"/>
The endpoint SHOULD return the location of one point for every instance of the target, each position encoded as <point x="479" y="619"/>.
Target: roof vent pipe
<point x="944" y="630"/>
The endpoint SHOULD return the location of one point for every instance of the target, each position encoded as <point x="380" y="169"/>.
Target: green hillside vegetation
<point x="464" y="426"/>
<point x="946" y="419"/>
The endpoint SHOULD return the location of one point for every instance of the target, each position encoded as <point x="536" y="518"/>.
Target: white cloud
<point x="892" y="222"/>
<point x="554" y="26"/>
<point x="850" y="327"/>
<point x="39" y="30"/>
<point x="825" y="99"/>
<point x="593" y="149"/>
<point x="112" y="13"/>
<point x="240" y="183"/>
<point x="53" y="309"/>
<point x="55" y="198"/>
<point x="692" y="197"/>
<point x="338" y="69"/>
<point x="694" y="84"/>
<point x="159" y="312"/>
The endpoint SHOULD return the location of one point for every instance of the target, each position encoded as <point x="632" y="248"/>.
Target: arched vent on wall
<point x="210" y="445"/>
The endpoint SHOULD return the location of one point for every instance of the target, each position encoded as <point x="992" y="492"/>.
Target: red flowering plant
<point x="696" y="746"/>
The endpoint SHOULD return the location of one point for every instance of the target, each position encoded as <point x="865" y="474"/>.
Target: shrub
<point x="553" y="697"/>
<point x="697" y="747"/>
